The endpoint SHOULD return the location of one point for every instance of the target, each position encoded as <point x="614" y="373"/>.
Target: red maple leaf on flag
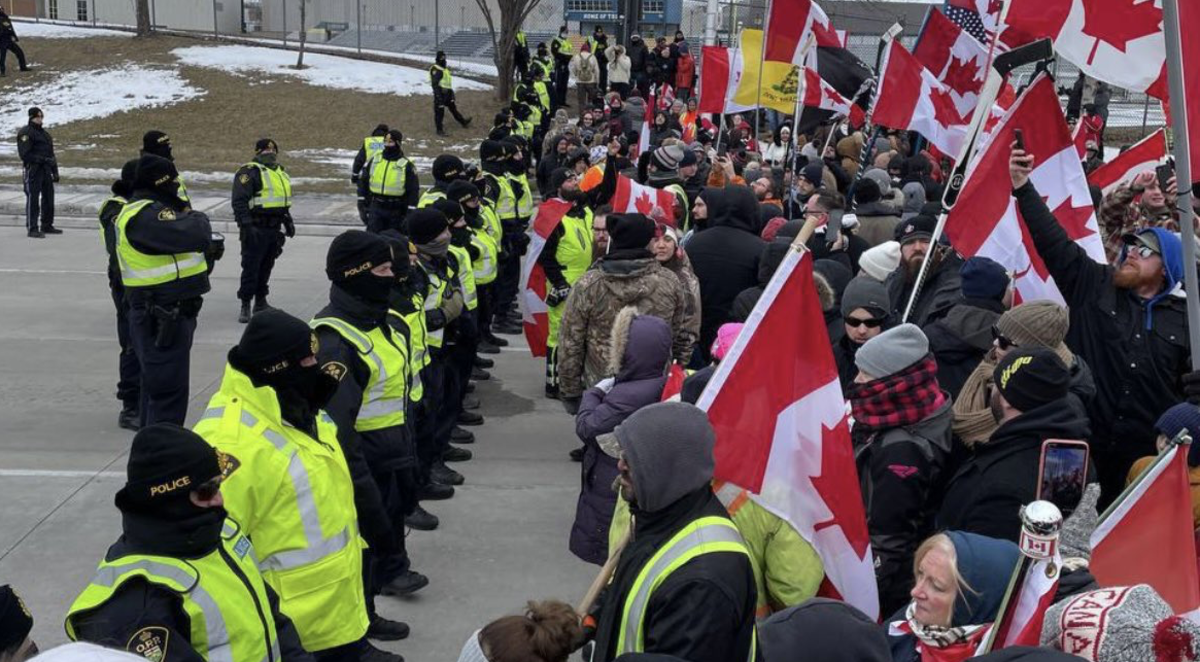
<point x="835" y="96"/>
<point x="962" y="76"/>
<point x="994" y="7"/>
<point x="844" y="510"/>
<point x="1072" y="219"/>
<point x="944" y="109"/>
<point x="1117" y="22"/>
<point x="644" y="204"/>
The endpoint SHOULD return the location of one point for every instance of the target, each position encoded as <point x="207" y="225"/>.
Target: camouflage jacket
<point x="1122" y="211"/>
<point x="592" y="307"/>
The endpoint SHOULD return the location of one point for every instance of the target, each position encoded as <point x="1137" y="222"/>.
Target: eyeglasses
<point x="208" y="490"/>
<point x="872" y="323"/>
<point x="1144" y="252"/>
<point x="1001" y="340"/>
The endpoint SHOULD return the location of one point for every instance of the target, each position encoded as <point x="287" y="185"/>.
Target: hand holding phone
<point x="1062" y="473"/>
<point x="1019" y="137"/>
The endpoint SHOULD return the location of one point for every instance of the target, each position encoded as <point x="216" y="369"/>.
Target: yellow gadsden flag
<point x="780" y="80"/>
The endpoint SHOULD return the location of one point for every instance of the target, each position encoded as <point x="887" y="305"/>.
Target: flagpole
<point x="801" y="89"/>
<point x="1183" y="169"/>
<point x="761" y="58"/>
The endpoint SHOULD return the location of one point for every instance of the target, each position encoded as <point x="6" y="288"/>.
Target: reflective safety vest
<point x="535" y="117"/>
<point x="385" y="397"/>
<point x="506" y="202"/>
<point x="387" y="177"/>
<point x="182" y="194"/>
<point x="275" y="189"/>
<point x="372" y="147"/>
<point x="222" y="594"/>
<point x="418" y="355"/>
<point x="140" y="269"/>
<point x="543" y="93"/>
<point x="705" y="535"/>
<point x="574" y="252"/>
<point x="430" y="196"/>
<point x="294" y="495"/>
<point x="438" y="284"/>
<point x="489" y="254"/>
<point x="523" y="128"/>
<point x="116" y="199"/>
<point x="445" y="82"/>
<point x="525" y="202"/>
<point x="466" y="276"/>
<point x="565" y="47"/>
<point x="521" y="39"/>
<point x="547" y="67"/>
<point x="491" y="222"/>
<point x="682" y="223"/>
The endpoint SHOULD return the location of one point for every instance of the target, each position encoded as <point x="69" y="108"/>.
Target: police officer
<point x="370" y="361"/>
<point x="461" y="345"/>
<point x="288" y="483"/>
<point x="486" y="235"/>
<point x="599" y="45"/>
<point x="497" y="192"/>
<point x="514" y="223"/>
<point x="36" y="149"/>
<point x="161" y="250"/>
<point x="521" y="55"/>
<point x="542" y="61"/>
<point x="181" y="584"/>
<point x="262" y="202"/>
<point x="390" y="181"/>
<point x="565" y="257"/>
<point x="446" y="168"/>
<point x="372" y="146"/>
<point x="8" y="42"/>
<point x="159" y="144"/>
<point x="563" y="50"/>
<point x="129" y="382"/>
<point x="443" y="94"/>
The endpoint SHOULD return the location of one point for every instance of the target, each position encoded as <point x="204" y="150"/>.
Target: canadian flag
<point x="644" y="137"/>
<point x="1152" y="519"/>
<point x="720" y="73"/>
<point x="534" y="313"/>
<point x="956" y="58"/>
<point x="1189" y="65"/>
<point x="782" y="434"/>
<point x="911" y="97"/>
<point x="1116" y="41"/>
<point x="1021" y="623"/>
<point x="1150" y="152"/>
<point x="788" y="27"/>
<point x="985" y="220"/>
<point x="634" y="198"/>
<point x="819" y="94"/>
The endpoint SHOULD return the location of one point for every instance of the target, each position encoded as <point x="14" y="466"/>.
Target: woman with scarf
<point x="779" y="152"/>
<point x="959" y="581"/>
<point x="902" y="443"/>
<point x="670" y="254"/>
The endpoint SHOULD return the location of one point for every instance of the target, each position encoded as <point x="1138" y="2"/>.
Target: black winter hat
<point x="630" y="231"/>
<point x="824" y="629"/>
<point x="447" y="167"/>
<point x="920" y="226"/>
<point x="461" y="190"/>
<point x="491" y="151"/>
<point x="380" y="130"/>
<point x="275" y="341"/>
<point x="166" y="462"/>
<point x="983" y="278"/>
<point x="355" y="252"/>
<point x="396" y="135"/>
<point x="401" y="249"/>
<point x="15" y="619"/>
<point x="450" y="209"/>
<point x="34" y="112"/>
<point x="866" y="190"/>
<point x="814" y="174"/>
<point x="155" y="141"/>
<point x="1030" y="378"/>
<point x="424" y="225"/>
<point x="129" y="172"/>
<point x="265" y="144"/>
<point x="153" y="171"/>
<point x="559" y="176"/>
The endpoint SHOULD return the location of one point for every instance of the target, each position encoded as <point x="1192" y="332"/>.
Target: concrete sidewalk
<point x="79" y="207"/>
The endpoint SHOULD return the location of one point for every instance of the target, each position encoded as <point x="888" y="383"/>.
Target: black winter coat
<point x="960" y="340"/>
<point x="986" y="493"/>
<point x="725" y="256"/>
<point x="941" y="291"/>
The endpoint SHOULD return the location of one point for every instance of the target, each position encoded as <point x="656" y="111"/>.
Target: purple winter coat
<point x="643" y="343"/>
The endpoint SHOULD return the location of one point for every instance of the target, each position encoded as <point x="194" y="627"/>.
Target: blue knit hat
<point x="1183" y="416"/>
<point x="983" y="278"/>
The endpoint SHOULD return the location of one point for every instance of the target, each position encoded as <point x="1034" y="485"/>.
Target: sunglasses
<point x="1001" y="340"/>
<point x="1144" y="252"/>
<point x="208" y="490"/>
<point x="855" y="322"/>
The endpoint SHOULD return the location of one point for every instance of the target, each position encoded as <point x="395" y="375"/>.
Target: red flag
<point x="911" y="97"/>
<point x="819" y="94"/>
<point x="644" y="138"/>
<point x="1152" y="520"/>
<point x="1021" y="624"/>
<point x="1189" y="15"/>
<point x="788" y="27"/>
<point x="956" y="58"/>
<point x="534" y="315"/>
<point x="720" y="73"/>
<point x="634" y="198"/>
<point x="985" y="219"/>
<point x="1145" y="155"/>
<point x="780" y="421"/>
<point x="674" y="386"/>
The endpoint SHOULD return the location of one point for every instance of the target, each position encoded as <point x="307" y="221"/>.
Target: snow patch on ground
<point x="55" y="31"/>
<point x="84" y="95"/>
<point x="323" y="70"/>
<point x="343" y="158"/>
<point x="107" y="175"/>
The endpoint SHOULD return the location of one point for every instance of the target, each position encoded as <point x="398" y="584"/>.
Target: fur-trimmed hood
<point x="640" y="346"/>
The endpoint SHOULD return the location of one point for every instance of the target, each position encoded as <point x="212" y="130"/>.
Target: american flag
<point x="968" y="19"/>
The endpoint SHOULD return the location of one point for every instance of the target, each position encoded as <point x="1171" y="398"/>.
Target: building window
<point x="52" y="8"/>
<point x="81" y="9"/>
<point x="591" y="6"/>
<point x="652" y="6"/>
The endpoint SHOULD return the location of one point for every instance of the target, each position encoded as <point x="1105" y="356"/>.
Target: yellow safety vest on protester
<point x="385" y="398"/>
<point x="574" y="254"/>
<point x="387" y="177"/>
<point x="466" y="276"/>
<point x="139" y="269"/>
<point x="294" y="495"/>
<point x="685" y="223"/>
<point x="275" y="191"/>
<point x="445" y="82"/>
<point x="222" y="595"/>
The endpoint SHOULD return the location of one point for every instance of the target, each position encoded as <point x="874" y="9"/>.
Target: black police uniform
<point x="387" y="212"/>
<point x="36" y="149"/>
<point x="162" y="318"/>
<point x="8" y="42"/>
<point x="262" y="234"/>
<point x="443" y="99"/>
<point x="129" y="382"/>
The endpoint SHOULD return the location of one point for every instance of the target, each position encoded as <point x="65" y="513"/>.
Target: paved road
<point x="62" y="457"/>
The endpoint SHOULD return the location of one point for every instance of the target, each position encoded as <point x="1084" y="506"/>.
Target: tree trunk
<point x="143" y="18"/>
<point x="504" y="43"/>
<point x="303" y="34"/>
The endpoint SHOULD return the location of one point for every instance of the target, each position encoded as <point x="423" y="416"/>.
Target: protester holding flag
<point x="664" y="173"/>
<point x="1128" y="322"/>
<point x="942" y="287"/>
<point x="1181" y="417"/>
<point x="959" y="582"/>
<point x="902" y="443"/>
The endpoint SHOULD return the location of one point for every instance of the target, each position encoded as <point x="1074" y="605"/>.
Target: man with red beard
<point x="1129" y="322"/>
<point x="942" y="288"/>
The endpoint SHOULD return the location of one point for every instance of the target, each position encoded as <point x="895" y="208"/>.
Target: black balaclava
<point x="352" y="256"/>
<point x="158" y="176"/>
<point x="459" y="235"/>
<point x="425" y="228"/>
<point x="394" y="152"/>
<point x="441" y="58"/>
<point x="463" y="192"/>
<point x="271" y="351"/>
<point x="158" y="144"/>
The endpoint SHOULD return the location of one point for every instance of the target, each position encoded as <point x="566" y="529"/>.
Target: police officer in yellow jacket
<point x="486" y="235"/>
<point x="159" y="144"/>
<point x="443" y="94"/>
<point x="684" y="585"/>
<point x="129" y="383"/>
<point x="163" y="250"/>
<point x="370" y="362"/>
<point x="497" y="192"/>
<point x="371" y="147"/>
<point x="182" y="583"/>
<point x="262" y="203"/>
<point x="446" y="168"/>
<point x="389" y="181"/>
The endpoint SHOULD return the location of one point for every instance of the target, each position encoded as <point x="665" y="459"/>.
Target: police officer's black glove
<point x="289" y="227"/>
<point x="54" y="178"/>
<point x="354" y="179"/>
<point x="558" y="295"/>
<point x="1191" y="386"/>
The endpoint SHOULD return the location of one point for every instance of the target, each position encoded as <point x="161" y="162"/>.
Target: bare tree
<point x="504" y="41"/>
<point x="143" y="18"/>
<point x="303" y="33"/>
